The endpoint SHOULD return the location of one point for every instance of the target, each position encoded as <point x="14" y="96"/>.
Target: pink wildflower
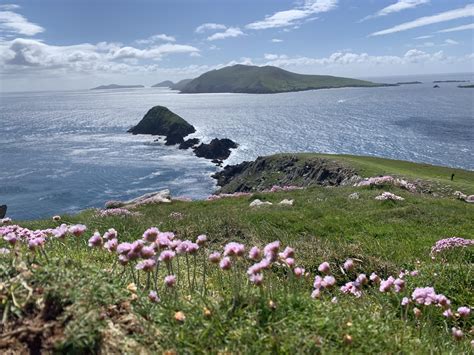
<point x="256" y="279"/>
<point x="405" y="301"/>
<point x="287" y="253"/>
<point x="167" y="255"/>
<point x="374" y="278"/>
<point x="170" y="280"/>
<point x="352" y="288"/>
<point x="448" y="313"/>
<point x="298" y="271"/>
<point x="270" y="250"/>
<point x="146" y="265"/>
<point x="316" y="293"/>
<point x="254" y="253"/>
<point x="328" y="281"/>
<point x="147" y="252"/>
<point x="4" y="251"/>
<point x="225" y="263"/>
<point x="290" y="262"/>
<point x="95" y="240"/>
<point x="124" y="248"/>
<point x="362" y="279"/>
<point x="215" y="257"/>
<point x="318" y="282"/>
<point x="201" y="239"/>
<point x="153" y="297"/>
<point x="424" y="295"/>
<point x="233" y="248"/>
<point x="324" y="267"/>
<point x="386" y="285"/>
<point x="349" y="265"/>
<point x="399" y="285"/>
<point x="457" y="333"/>
<point x="414" y="273"/>
<point x="123" y="259"/>
<point x="111" y="245"/>
<point x="11" y="238"/>
<point x="110" y="234"/>
<point x="151" y="234"/>
<point x="77" y="230"/>
<point x="464" y="311"/>
<point x="137" y="246"/>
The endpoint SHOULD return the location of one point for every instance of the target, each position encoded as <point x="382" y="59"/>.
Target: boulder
<point x="354" y="196"/>
<point x="3" y="211"/>
<point x="469" y="199"/>
<point x="286" y="202"/>
<point x="258" y="203"/>
<point x="160" y="121"/>
<point x="189" y="143"/>
<point x="217" y="149"/>
<point x="162" y="196"/>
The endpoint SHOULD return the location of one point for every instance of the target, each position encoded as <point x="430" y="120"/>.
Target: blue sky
<point x="68" y="44"/>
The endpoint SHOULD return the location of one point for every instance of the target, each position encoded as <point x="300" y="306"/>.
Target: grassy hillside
<point x="268" y="79"/>
<point x="74" y="298"/>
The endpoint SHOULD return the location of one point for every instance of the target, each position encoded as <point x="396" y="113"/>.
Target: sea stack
<point x="160" y="121"/>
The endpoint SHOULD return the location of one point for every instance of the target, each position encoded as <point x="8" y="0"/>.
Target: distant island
<point x="266" y="80"/>
<point x="466" y="86"/>
<point x="115" y="86"/>
<point x="450" y="81"/>
<point x="163" y="84"/>
<point x="409" y="82"/>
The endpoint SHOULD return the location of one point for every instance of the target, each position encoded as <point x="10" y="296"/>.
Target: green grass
<point x="98" y="313"/>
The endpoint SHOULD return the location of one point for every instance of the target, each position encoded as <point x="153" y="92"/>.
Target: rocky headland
<point x="160" y="121"/>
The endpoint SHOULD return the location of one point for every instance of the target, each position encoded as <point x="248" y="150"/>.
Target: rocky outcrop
<point x="3" y="211"/>
<point x="217" y="150"/>
<point x="162" y="196"/>
<point x="160" y="121"/>
<point x="189" y="143"/>
<point x="284" y="170"/>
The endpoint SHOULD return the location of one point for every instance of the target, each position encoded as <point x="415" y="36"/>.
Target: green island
<point x="266" y="80"/>
<point x="66" y="296"/>
<point x="470" y="86"/>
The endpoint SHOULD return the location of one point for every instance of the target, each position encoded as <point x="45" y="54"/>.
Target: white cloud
<point x="9" y="7"/>
<point x="277" y="40"/>
<point x="210" y="26"/>
<point x="28" y="54"/>
<point x="467" y="11"/>
<point x="230" y="32"/>
<point x="400" y="5"/>
<point x="450" y="42"/>
<point x="294" y="16"/>
<point x="16" y="23"/>
<point x="156" y="38"/>
<point x="424" y="37"/>
<point x="459" y="28"/>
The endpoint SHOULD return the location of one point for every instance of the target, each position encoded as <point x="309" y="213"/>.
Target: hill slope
<point x="265" y="80"/>
<point x="163" y="84"/>
<point x="66" y="297"/>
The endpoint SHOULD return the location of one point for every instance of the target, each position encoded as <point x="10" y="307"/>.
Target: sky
<point x="79" y="44"/>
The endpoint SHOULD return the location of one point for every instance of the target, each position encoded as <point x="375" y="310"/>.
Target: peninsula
<point x="266" y="80"/>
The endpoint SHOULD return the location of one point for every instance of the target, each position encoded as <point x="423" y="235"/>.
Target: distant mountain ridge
<point x="266" y="80"/>
<point x="115" y="86"/>
<point x="163" y="84"/>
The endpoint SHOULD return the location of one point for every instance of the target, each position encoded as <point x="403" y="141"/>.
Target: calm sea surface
<point x="66" y="151"/>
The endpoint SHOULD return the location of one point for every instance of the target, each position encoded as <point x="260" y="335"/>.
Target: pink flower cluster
<point x="451" y="243"/>
<point x="389" y="196"/>
<point x="116" y="212"/>
<point x="35" y="239"/>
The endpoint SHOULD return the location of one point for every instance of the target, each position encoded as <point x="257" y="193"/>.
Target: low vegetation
<point x="339" y="271"/>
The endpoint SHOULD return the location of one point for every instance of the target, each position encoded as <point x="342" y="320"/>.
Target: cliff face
<point x="160" y="121"/>
<point x="283" y="169"/>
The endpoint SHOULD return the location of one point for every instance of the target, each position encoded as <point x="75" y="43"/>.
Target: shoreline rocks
<point x="163" y="196"/>
<point x="217" y="150"/>
<point x="3" y="211"/>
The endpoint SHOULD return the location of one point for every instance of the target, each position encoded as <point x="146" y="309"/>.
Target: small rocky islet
<point x="160" y="121"/>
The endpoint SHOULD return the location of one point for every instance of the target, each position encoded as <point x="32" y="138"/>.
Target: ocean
<point x="64" y="151"/>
